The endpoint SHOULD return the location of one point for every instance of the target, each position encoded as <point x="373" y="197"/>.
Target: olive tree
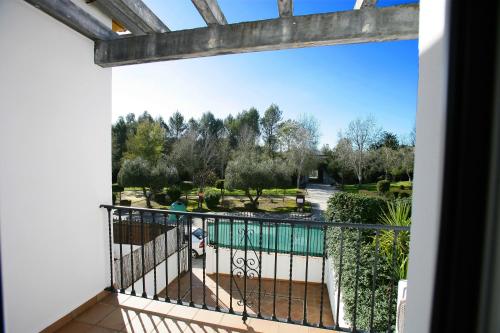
<point x="252" y="174"/>
<point x="139" y="172"/>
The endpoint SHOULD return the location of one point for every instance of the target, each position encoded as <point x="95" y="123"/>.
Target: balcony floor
<point x="123" y="313"/>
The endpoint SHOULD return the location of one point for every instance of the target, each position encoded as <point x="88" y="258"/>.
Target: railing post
<point x="111" y="284"/>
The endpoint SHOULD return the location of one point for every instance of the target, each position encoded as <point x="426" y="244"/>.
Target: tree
<point x="303" y="137"/>
<point x="387" y="139"/>
<point x="269" y="123"/>
<point x="147" y="143"/>
<point x="388" y="158"/>
<point x="407" y="160"/>
<point x="176" y="124"/>
<point x="343" y="158"/>
<point x="119" y="132"/>
<point x="140" y="172"/>
<point x="362" y="133"/>
<point x="250" y="172"/>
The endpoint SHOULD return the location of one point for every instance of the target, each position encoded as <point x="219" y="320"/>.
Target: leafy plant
<point x="398" y="213"/>
<point x="174" y="193"/>
<point x="383" y="186"/>
<point x="212" y="199"/>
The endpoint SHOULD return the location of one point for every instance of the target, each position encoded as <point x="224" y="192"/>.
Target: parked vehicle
<point x="197" y="242"/>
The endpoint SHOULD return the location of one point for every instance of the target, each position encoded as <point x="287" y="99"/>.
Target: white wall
<point x="433" y="55"/>
<point x="283" y="264"/>
<point x="332" y="287"/>
<point x="55" y="168"/>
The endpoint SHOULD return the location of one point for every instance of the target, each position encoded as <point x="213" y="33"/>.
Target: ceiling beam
<point x="365" y="4"/>
<point x="75" y="17"/>
<point x="348" y="27"/>
<point x="134" y="15"/>
<point x="285" y="8"/>
<point x="210" y="11"/>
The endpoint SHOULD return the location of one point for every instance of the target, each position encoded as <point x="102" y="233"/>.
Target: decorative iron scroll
<point x="245" y="263"/>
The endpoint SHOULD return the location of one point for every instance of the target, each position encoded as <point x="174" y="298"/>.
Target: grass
<point x="231" y="203"/>
<point x="371" y="188"/>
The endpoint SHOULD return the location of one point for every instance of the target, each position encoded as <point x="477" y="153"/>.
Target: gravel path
<point x="318" y="195"/>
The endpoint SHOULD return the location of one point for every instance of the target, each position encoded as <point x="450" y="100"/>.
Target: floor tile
<point x="76" y="327"/>
<point x="96" y="313"/>
<point x="208" y="317"/>
<point x="183" y="312"/>
<point x="137" y="302"/>
<point x="159" y="307"/>
<point x="144" y="322"/>
<point x="115" y="299"/>
<point x="118" y="319"/>
<point x="169" y="325"/>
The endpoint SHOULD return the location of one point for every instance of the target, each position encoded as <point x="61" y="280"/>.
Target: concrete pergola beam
<point x="210" y="11"/>
<point x="75" y="17"/>
<point x="348" y="27"/>
<point x="134" y="15"/>
<point x="285" y="8"/>
<point x="365" y="4"/>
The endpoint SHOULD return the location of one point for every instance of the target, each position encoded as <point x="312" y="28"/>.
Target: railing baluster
<point x="131" y="252"/>
<point x="358" y="248"/>
<point x="217" y="308"/>
<point x="205" y="244"/>
<point x="324" y="229"/>
<point x="190" y="261"/>
<point x="152" y="236"/>
<point x="304" y="317"/>
<point x="231" y="222"/>
<point x="167" y="299"/>
<point x="144" y="294"/>
<point x="111" y="284"/>
<point x="245" y="275"/>
<point x="374" y="278"/>
<point x="276" y="228"/>
<point x="290" y="275"/>
<point x="391" y="290"/>
<point x="259" y="314"/>
<point x="178" y="231"/>
<point x="339" y="282"/>
<point x="122" y="236"/>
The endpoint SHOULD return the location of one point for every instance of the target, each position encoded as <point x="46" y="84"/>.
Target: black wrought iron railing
<point x="291" y="270"/>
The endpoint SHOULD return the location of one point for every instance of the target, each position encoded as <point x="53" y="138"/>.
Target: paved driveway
<point x="318" y="195"/>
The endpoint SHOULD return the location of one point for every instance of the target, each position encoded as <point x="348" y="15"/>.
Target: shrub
<point x="401" y="187"/>
<point x="356" y="208"/>
<point x="117" y="188"/>
<point x="161" y="198"/>
<point x="219" y="184"/>
<point x="174" y="193"/>
<point x="404" y="195"/>
<point x="125" y="203"/>
<point x="383" y="186"/>
<point x="212" y="199"/>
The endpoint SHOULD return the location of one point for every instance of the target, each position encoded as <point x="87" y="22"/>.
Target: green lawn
<point x="371" y="188"/>
<point x="291" y="191"/>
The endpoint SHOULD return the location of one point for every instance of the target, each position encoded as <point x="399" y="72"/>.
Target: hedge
<point x="357" y="208"/>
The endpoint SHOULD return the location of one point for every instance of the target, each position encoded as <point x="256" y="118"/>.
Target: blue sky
<point x="336" y="84"/>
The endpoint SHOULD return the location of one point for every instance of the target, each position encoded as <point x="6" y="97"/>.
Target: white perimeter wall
<point x="55" y="168"/>
<point x="429" y="156"/>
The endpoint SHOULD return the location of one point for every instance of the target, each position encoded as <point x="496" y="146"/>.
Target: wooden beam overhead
<point x="75" y="17"/>
<point x="348" y="27"/>
<point x="210" y="11"/>
<point x="134" y="15"/>
<point x="285" y="8"/>
<point x="365" y="4"/>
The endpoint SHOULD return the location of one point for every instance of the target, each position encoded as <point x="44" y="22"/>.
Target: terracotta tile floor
<point x="121" y="313"/>
<point x="267" y="299"/>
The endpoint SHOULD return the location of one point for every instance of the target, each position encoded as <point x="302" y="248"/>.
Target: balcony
<point x="244" y="274"/>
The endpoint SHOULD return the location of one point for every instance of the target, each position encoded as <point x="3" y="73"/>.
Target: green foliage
<point x="212" y="199"/>
<point x="383" y="186"/>
<point x="398" y="213"/>
<point x="355" y="208"/>
<point x="174" y="193"/>
<point x="147" y="143"/>
<point x="117" y="188"/>
<point x="219" y="184"/>
<point x="141" y="173"/>
<point x="250" y="171"/>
